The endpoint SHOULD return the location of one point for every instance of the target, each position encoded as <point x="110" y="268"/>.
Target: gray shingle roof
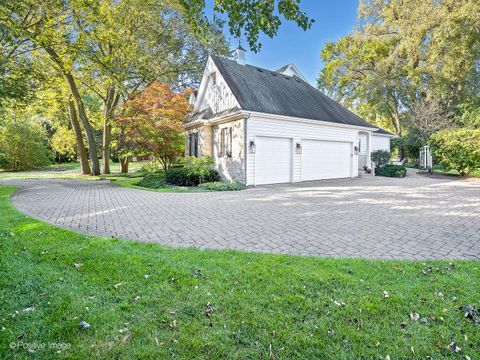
<point x="267" y="91"/>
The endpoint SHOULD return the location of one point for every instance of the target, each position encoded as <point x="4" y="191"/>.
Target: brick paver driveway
<point x="372" y="217"/>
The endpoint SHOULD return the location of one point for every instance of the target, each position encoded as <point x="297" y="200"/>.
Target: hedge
<point x="391" y="171"/>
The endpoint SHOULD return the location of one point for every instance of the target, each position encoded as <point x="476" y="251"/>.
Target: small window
<point x="226" y="137"/>
<point x="193" y="144"/>
<point x="213" y="79"/>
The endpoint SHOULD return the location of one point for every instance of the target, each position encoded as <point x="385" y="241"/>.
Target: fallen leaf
<point x="208" y="310"/>
<point x="116" y="286"/>
<point x="414" y="316"/>
<point x="403" y="325"/>
<point x="471" y="313"/>
<point x="197" y="273"/>
<point x="452" y="346"/>
<point x="84" y="325"/>
<point x="77" y="265"/>
<point x="385" y="294"/>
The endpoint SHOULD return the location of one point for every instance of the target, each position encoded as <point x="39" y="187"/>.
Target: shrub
<point x="380" y="157"/>
<point x="198" y="167"/>
<point x="194" y="171"/>
<point x="153" y="181"/>
<point x="221" y="186"/>
<point x="186" y="177"/>
<point x="23" y="146"/>
<point x="391" y="171"/>
<point x="458" y="149"/>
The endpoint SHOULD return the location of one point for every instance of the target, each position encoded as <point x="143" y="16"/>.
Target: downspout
<point x="245" y="146"/>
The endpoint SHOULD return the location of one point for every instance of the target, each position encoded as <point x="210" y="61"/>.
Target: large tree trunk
<point x="82" y="154"/>
<point x="92" y="147"/>
<point x="111" y="103"/>
<point x="107" y="136"/>
<point x="124" y="164"/>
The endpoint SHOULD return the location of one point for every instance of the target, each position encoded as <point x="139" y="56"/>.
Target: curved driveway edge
<point x="372" y="217"/>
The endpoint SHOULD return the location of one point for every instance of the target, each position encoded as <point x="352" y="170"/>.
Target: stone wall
<point x="231" y="168"/>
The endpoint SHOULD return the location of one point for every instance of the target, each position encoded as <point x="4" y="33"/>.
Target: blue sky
<point x="333" y="19"/>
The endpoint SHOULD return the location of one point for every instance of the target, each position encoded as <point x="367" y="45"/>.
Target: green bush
<point x="186" y="177"/>
<point x="221" y="186"/>
<point x="23" y="146"/>
<point x="153" y="181"/>
<point x="195" y="171"/>
<point x="458" y="149"/>
<point x="391" y="171"/>
<point x="380" y="157"/>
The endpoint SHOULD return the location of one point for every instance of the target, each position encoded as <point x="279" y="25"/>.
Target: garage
<point x="273" y="160"/>
<point x="325" y="159"/>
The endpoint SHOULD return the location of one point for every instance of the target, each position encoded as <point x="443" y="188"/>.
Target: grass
<point x="438" y="169"/>
<point x="72" y="171"/>
<point x="63" y="171"/>
<point x="475" y="173"/>
<point x="147" y="301"/>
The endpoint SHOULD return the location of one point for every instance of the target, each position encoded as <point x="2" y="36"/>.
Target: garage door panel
<point x="273" y="160"/>
<point x="325" y="160"/>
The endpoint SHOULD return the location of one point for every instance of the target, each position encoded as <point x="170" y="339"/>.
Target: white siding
<point x="260" y="126"/>
<point x="380" y="143"/>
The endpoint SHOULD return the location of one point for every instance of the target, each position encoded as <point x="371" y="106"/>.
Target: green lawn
<point x="475" y="173"/>
<point x="147" y="301"/>
<point x="72" y="171"/>
<point x="63" y="171"/>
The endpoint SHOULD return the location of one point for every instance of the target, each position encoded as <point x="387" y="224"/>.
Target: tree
<point x="23" y="144"/>
<point x="458" y="149"/>
<point x="247" y="17"/>
<point x="404" y="55"/>
<point x="427" y="118"/>
<point x="120" y="57"/>
<point x="63" y="142"/>
<point x="153" y="122"/>
<point x="113" y="48"/>
<point x="49" y="26"/>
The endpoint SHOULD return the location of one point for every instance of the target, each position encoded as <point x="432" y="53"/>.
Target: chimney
<point x="239" y="55"/>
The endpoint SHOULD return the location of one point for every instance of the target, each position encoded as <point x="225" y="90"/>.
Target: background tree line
<point x="412" y="67"/>
<point x="70" y="67"/>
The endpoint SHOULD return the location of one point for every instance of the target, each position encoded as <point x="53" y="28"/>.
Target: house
<point x="265" y="127"/>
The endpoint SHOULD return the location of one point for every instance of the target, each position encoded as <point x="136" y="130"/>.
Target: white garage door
<point x="273" y="160"/>
<point x="325" y="159"/>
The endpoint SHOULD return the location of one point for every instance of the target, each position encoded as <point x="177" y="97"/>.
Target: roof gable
<point x="291" y="70"/>
<point x="218" y="97"/>
<point x="270" y="92"/>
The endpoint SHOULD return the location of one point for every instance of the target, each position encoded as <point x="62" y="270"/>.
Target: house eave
<point x="385" y="135"/>
<point x="306" y="121"/>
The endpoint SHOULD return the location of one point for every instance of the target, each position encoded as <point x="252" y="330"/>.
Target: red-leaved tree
<point x="151" y="123"/>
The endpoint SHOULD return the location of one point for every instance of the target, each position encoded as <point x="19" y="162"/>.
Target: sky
<point x="333" y="20"/>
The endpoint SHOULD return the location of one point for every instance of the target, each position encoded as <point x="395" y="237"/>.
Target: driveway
<point x="416" y="217"/>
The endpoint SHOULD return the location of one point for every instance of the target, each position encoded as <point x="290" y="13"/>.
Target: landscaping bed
<point x="108" y="298"/>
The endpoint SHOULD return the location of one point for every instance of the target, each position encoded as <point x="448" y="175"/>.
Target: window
<point x="226" y="137"/>
<point x="193" y="144"/>
<point x="213" y="79"/>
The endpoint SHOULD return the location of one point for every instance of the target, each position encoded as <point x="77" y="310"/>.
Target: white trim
<point x="268" y="116"/>
<point x="384" y="135"/>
